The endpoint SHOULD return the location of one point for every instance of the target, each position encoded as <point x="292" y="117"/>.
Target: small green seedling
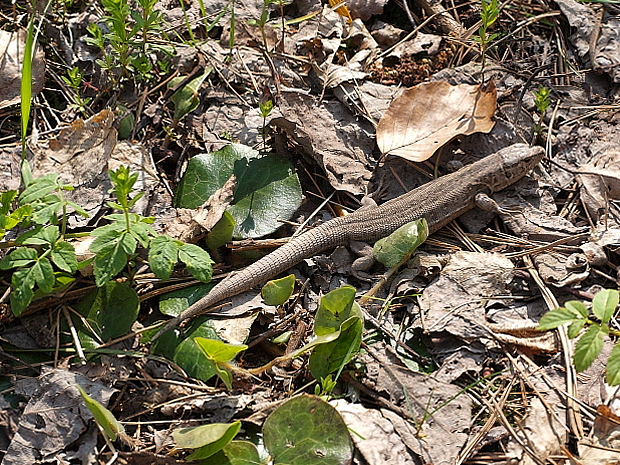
<point x="542" y="102"/>
<point x="489" y="12"/>
<point x="205" y="439"/>
<point x="588" y="347"/>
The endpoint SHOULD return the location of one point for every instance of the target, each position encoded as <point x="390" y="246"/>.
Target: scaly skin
<point x="439" y="201"/>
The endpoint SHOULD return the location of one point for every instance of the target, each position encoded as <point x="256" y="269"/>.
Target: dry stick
<point x="574" y="415"/>
<point x="445" y="19"/>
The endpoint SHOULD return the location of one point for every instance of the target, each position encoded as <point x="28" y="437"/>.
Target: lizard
<point x="439" y="201"/>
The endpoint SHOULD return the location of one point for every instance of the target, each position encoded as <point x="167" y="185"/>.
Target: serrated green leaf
<point x="206" y="439"/>
<point x="110" y="261"/>
<point x="556" y="317"/>
<point x="398" y="246"/>
<point x="23" y="256"/>
<point x="575" y="328"/>
<point x="577" y="308"/>
<point x="39" y="236"/>
<point x="268" y="189"/>
<point x="198" y="262"/>
<point x="39" y="188"/>
<point x="44" y="212"/>
<point x="277" y="291"/>
<point x="104" y="418"/>
<point x="612" y="375"/>
<point x="588" y="347"/>
<point x="63" y="256"/>
<point x="604" y="304"/>
<point x="106" y="237"/>
<point x="43" y="274"/>
<point x="163" y="255"/>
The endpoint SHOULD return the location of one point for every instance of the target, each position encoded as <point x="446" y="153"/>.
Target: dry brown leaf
<point x="12" y="45"/>
<point x="429" y="115"/>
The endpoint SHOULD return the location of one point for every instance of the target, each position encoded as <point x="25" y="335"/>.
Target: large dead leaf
<point x="12" y="45"/>
<point x="429" y="115"/>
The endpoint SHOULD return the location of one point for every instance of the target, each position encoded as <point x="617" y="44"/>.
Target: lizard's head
<point x="516" y="161"/>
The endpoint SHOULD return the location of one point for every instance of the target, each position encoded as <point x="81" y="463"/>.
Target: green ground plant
<point x="126" y="48"/>
<point x="542" y="102"/>
<point x="597" y="320"/>
<point x="489" y="12"/>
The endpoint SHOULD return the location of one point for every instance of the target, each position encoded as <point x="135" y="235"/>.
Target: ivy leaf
<point x="268" y="189"/>
<point x="588" y="348"/>
<point x="163" y="255"/>
<point x="198" y="262"/>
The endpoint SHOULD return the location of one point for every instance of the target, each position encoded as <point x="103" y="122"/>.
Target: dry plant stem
<point x="574" y="416"/>
<point x="74" y="335"/>
<point x="445" y="20"/>
<point x="472" y="444"/>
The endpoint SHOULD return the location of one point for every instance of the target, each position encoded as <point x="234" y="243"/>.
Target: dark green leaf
<point x="307" y="430"/>
<point x="588" y="347"/>
<point x="110" y="310"/>
<point x="22" y="283"/>
<point x="185" y="352"/>
<point x="173" y="303"/>
<point x="267" y="188"/>
<point x="109" y="262"/>
<point x="197" y="261"/>
<point x="163" y="255"/>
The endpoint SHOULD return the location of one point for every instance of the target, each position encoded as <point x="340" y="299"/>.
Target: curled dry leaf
<point x="429" y="115"/>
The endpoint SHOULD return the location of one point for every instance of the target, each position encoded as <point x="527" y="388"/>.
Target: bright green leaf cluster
<point x="590" y="344"/>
